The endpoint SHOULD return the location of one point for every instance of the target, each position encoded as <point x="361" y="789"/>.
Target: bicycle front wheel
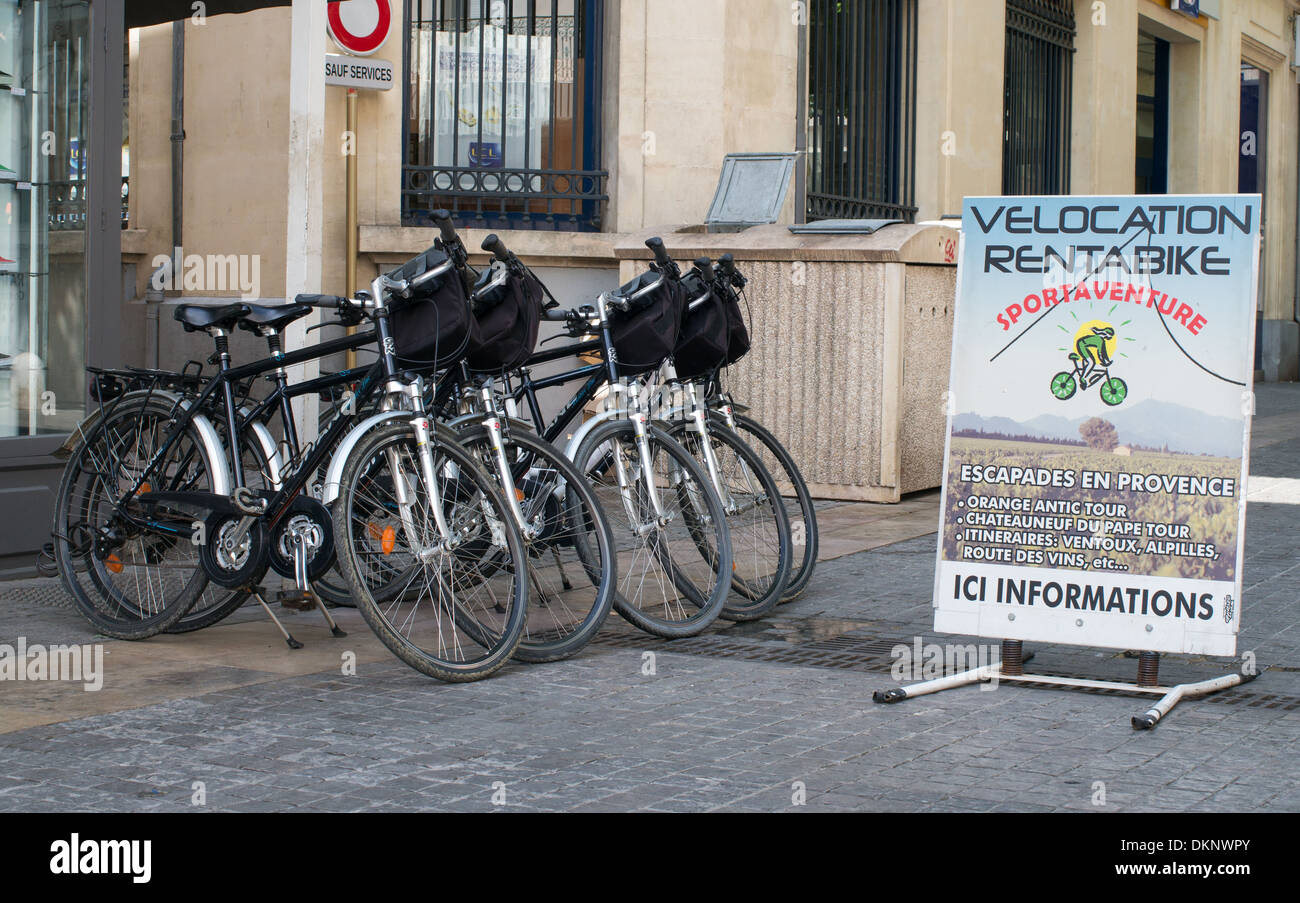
<point x="798" y="501"/>
<point x="452" y="607"/>
<point x="756" y="519"/>
<point x="666" y="586"/>
<point x="571" y="569"/>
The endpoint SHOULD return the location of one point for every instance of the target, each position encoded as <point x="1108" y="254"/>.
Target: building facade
<point x="570" y="127"/>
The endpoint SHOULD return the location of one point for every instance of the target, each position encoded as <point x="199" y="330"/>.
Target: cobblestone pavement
<point x="774" y="715"/>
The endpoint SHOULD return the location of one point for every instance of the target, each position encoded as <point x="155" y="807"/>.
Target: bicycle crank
<point x="236" y="555"/>
<point x="303" y="545"/>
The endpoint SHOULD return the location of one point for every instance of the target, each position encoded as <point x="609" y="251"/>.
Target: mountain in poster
<point x="1151" y="424"/>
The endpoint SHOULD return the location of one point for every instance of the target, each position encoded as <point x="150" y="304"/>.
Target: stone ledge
<point x="903" y="243"/>
<point x="397" y="244"/>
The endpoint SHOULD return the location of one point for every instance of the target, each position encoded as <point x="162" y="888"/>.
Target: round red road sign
<point x="360" y="26"/>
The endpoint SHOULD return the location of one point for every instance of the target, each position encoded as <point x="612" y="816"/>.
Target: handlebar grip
<point x="327" y="301"/>
<point x="656" y="246"/>
<point x="497" y="248"/>
<point x="728" y="264"/>
<point x="443" y="221"/>
<point x="705" y="266"/>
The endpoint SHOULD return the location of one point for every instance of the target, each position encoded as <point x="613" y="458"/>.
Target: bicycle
<point x="757" y="521"/>
<point x="449" y="512"/>
<point x="1065" y="384"/>
<point x="673" y="549"/>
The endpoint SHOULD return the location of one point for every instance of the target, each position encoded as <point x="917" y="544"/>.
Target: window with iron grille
<point x="861" y="109"/>
<point x="501" y="115"/>
<point x="1038" y="77"/>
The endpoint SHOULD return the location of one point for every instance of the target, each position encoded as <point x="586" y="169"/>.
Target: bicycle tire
<point x="106" y="603"/>
<point x="802" y="513"/>
<point x="547" y="638"/>
<point x="753" y="592"/>
<point x="462" y="475"/>
<point x="707" y="600"/>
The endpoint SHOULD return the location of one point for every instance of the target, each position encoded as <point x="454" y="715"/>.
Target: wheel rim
<point x="454" y="608"/>
<point x="565" y="551"/>
<point x="1114" y="391"/>
<point x="154" y="570"/>
<point x="662" y="574"/>
<point x="1063" y="386"/>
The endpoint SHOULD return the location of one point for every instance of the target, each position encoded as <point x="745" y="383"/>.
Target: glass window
<point x="44" y="107"/>
<point x="1152" y="116"/>
<point x="502" y="112"/>
<point x="861" y="109"/>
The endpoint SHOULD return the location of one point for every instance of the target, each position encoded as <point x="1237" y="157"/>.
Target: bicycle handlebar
<point x="665" y="263"/>
<point x="727" y="266"/>
<point x="705" y="267"/>
<point x="442" y="219"/>
<point x="322" y="301"/>
<point x="497" y="248"/>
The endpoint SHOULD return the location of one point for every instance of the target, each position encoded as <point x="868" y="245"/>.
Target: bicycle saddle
<point x="278" y="317"/>
<point x="198" y="317"/>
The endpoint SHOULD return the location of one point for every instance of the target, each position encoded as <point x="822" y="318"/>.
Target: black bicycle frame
<point x="228" y="376"/>
<point x="525" y="388"/>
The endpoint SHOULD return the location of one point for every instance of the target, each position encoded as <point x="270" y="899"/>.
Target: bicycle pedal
<point x="295" y="601"/>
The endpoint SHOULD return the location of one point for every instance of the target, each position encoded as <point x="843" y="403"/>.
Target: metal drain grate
<point x="872" y="655"/>
<point x="46" y="592"/>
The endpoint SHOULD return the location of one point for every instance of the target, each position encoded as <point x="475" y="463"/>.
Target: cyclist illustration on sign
<point x="1094" y="349"/>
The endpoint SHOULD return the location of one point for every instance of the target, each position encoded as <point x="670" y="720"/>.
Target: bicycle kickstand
<point x="288" y="637"/>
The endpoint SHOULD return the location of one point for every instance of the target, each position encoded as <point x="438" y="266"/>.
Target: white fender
<point x="214" y="450"/>
<point x="334" y="475"/>
<point x="210" y="444"/>
<point x="571" y="449"/>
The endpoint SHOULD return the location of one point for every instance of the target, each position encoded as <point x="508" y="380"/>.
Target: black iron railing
<point x="861" y="109"/>
<point x="502" y="113"/>
<point x="1038" y="78"/>
<point x="66" y="204"/>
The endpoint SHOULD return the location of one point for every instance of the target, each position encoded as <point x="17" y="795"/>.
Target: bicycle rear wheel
<point x="135" y="572"/>
<point x="665" y="586"/>
<point x="455" y="612"/>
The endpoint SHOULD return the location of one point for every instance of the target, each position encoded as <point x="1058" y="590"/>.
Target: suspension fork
<point x="497" y="434"/>
<point x="698" y="416"/>
<point x="402" y="489"/>
<point x="640" y="428"/>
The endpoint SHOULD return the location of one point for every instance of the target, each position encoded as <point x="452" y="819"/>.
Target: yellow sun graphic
<point x="1086" y="330"/>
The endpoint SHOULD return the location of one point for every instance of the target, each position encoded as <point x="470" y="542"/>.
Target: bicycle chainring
<point x="312" y="520"/>
<point x="241" y="565"/>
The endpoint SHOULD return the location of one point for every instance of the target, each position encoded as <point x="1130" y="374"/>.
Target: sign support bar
<point x="1010" y="669"/>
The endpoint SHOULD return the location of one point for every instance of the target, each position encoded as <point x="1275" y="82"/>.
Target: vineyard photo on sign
<point x="1095" y="472"/>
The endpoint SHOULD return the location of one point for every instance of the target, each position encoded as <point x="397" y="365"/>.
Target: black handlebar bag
<point x="738" y="341"/>
<point x="430" y="329"/>
<point x="703" y="340"/>
<point x="646" y="335"/>
<point x="506" y="321"/>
